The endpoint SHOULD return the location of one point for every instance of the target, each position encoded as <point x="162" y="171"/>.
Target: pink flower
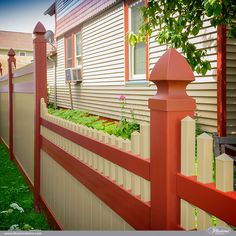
<point x="122" y="98"/>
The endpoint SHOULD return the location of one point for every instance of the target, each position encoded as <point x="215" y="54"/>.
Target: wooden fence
<point x="88" y="180"/>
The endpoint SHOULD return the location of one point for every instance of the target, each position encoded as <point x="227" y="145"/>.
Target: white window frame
<point x="77" y="56"/>
<point x="131" y="51"/>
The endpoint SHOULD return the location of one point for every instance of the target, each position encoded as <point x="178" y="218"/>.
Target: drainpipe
<point x="55" y="79"/>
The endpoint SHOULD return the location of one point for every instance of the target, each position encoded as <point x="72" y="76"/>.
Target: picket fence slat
<point x="224" y="178"/>
<point x="187" y="217"/>
<point x="224" y="173"/>
<point x="145" y="140"/>
<point x="119" y="170"/>
<point x="204" y="157"/>
<point x="135" y="148"/>
<point x="127" y="174"/>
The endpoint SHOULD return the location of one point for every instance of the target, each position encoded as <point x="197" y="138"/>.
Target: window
<point x="73" y="50"/>
<point x="78" y="50"/>
<point x="22" y="54"/>
<point x="68" y="55"/>
<point x="137" y="54"/>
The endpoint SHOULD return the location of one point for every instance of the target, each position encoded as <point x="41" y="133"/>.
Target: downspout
<point x="221" y="81"/>
<point x="55" y="79"/>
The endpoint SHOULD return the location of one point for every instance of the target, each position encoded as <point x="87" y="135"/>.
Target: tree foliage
<point x="177" y="21"/>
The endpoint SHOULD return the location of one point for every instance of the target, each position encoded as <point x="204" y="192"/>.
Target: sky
<point x="23" y="15"/>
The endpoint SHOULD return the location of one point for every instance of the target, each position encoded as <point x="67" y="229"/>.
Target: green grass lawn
<point x="15" y="192"/>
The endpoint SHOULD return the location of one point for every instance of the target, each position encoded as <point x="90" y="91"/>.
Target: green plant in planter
<point x="123" y="128"/>
<point x="126" y="128"/>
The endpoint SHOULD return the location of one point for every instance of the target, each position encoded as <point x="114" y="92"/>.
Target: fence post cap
<point x="39" y="28"/>
<point x="204" y="136"/>
<point x="135" y="133"/>
<point x="224" y="157"/>
<point x="172" y="66"/>
<point x="11" y="53"/>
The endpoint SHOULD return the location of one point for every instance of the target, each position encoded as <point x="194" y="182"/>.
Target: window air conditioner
<point x="73" y="75"/>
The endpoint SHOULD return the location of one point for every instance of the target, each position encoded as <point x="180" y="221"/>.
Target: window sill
<point x="138" y="83"/>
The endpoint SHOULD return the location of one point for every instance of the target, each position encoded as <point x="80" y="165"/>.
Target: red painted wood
<point x="130" y="208"/>
<point x="40" y="60"/>
<point x="11" y="62"/>
<point x="124" y="159"/>
<point x="207" y="197"/>
<point x="126" y="29"/>
<point x="0" y="69"/>
<point x="221" y="81"/>
<point x="168" y="107"/>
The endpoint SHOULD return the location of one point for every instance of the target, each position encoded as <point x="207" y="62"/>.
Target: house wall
<point x="20" y="60"/>
<point x="103" y="72"/>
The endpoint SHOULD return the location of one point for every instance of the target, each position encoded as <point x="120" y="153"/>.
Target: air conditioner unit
<point x="73" y="75"/>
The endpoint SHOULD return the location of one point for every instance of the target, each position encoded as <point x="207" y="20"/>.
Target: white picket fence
<point x="202" y="167"/>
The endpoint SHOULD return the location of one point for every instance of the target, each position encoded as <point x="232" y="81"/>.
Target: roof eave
<point x="51" y="10"/>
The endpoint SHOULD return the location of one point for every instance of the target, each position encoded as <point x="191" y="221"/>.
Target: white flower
<point x="14" y="227"/>
<point x="3" y="212"/>
<point x="17" y="207"/>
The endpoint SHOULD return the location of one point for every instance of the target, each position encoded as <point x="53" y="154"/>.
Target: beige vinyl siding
<point x="104" y="79"/>
<point x="231" y="86"/>
<point x="51" y="77"/>
<point x="204" y="89"/>
<point x="104" y="67"/>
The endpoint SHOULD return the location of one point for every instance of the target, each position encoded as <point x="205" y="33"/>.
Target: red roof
<point x="16" y="40"/>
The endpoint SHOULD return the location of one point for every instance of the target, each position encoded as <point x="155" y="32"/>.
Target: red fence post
<point x="171" y="75"/>
<point x="11" y="60"/>
<point x="0" y="69"/>
<point x="40" y="72"/>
